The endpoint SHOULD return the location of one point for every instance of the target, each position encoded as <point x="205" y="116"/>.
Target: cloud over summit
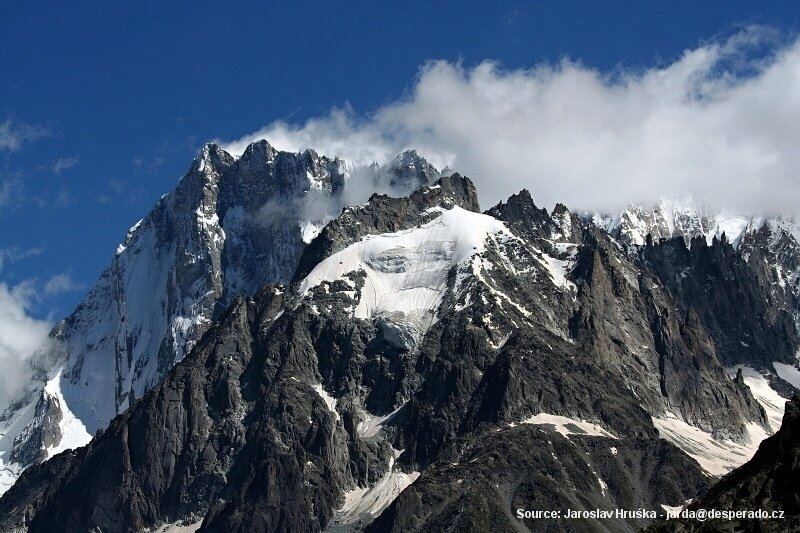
<point x="720" y="123"/>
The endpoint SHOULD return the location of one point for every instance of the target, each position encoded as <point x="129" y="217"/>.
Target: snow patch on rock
<point x="406" y="272"/>
<point x="363" y="504"/>
<point x="773" y="403"/>
<point x="15" y="425"/>
<point x="73" y="432"/>
<point x="568" y="426"/>
<point x="329" y="400"/>
<point x="717" y="457"/>
<point x="179" y="527"/>
<point x="788" y="373"/>
<point x="371" y="424"/>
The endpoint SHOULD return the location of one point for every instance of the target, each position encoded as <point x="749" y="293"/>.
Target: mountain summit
<point x="230" y="225"/>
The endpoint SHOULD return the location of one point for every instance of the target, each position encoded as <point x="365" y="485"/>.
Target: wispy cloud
<point x="63" y="198"/>
<point x="719" y="122"/>
<point x="22" y="335"/>
<point x="11" y="192"/>
<point x="149" y="166"/>
<point x="14" y="134"/>
<point x="60" y="284"/>
<point x="14" y="253"/>
<point x="49" y="198"/>
<point x="64" y="163"/>
<point x="117" y="190"/>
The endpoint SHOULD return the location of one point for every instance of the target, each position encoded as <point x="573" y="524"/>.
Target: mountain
<point x="769" y="482"/>
<point x="771" y="245"/>
<point x="672" y="217"/>
<point x="432" y="367"/>
<point x="230" y="225"/>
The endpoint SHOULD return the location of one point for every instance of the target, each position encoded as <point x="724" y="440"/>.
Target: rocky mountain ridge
<point x="423" y="341"/>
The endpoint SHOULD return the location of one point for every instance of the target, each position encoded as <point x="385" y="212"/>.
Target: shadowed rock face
<point x="731" y="295"/>
<point x="647" y="332"/>
<point x="770" y="481"/>
<point x="234" y="432"/>
<point x="293" y="403"/>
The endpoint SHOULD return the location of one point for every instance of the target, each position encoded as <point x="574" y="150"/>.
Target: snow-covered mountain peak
<point x="404" y="263"/>
<point x="525" y="316"/>
<point x="677" y="216"/>
<point x="415" y="324"/>
<point x="410" y="159"/>
<point x="559" y="210"/>
<point x="385" y="214"/>
<point x="230" y="225"/>
<point x="211" y="155"/>
<point x="408" y="171"/>
<point x="260" y="150"/>
<point x="559" y="226"/>
<point x="403" y="275"/>
<point x="564" y="220"/>
<point x="783" y="231"/>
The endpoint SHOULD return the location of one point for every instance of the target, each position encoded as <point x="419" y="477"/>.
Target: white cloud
<point x="24" y="339"/>
<point x="20" y="337"/>
<point x="63" y="198"/>
<point x="64" y="163"/>
<point x="720" y="122"/>
<point x="60" y="283"/>
<point x="13" y="134"/>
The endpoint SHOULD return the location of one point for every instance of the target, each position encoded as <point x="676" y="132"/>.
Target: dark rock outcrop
<point x="717" y="283"/>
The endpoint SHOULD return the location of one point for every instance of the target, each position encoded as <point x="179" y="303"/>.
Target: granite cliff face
<point x="770" y="247"/>
<point x="431" y="367"/>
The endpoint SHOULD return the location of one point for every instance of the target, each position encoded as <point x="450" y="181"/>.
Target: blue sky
<point x="103" y="105"/>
